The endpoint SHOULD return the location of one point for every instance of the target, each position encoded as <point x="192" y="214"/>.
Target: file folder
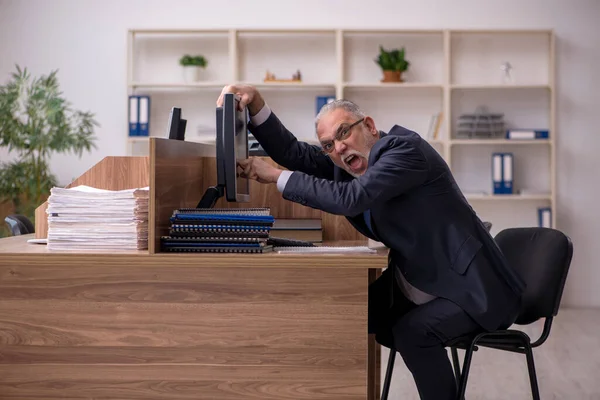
<point x="134" y="114"/>
<point x="527" y="134"/>
<point x="144" y="116"/>
<point x="497" y="185"/>
<point x="507" y="173"/>
<point x="544" y="217"/>
<point x="322" y="100"/>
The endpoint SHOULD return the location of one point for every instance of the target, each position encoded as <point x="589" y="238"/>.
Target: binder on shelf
<point x="134" y="114"/>
<point x="322" y="100"/>
<point x="545" y="217"/>
<point x="438" y="124"/>
<point x="507" y="173"/>
<point x="527" y="134"/>
<point x="497" y="184"/>
<point x="144" y="116"/>
<point x="502" y="173"/>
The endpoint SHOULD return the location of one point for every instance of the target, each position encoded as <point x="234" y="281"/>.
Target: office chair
<point x="19" y="224"/>
<point x="542" y="256"/>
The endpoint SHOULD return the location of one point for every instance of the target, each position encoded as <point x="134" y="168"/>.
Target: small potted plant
<point x="191" y="67"/>
<point x="392" y="63"/>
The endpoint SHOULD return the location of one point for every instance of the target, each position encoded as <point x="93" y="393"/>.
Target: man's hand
<point x="259" y="170"/>
<point x="249" y="96"/>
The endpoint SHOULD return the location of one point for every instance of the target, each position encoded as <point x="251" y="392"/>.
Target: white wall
<point x="86" y="41"/>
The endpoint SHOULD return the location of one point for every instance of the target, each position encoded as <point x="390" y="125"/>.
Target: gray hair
<point x="347" y="105"/>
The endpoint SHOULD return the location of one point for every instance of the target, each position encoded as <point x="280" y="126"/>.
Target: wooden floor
<point x="568" y="365"/>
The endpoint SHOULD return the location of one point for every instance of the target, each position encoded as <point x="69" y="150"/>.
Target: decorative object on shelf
<point x="481" y="124"/>
<point x="392" y="63"/>
<point x="37" y="121"/>
<point x="507" y="77"/>
<point x="270" y="77"/>
<point x="191" y="67"/>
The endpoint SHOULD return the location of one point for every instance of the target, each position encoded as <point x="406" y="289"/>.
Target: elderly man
<point x="446" y="276"/>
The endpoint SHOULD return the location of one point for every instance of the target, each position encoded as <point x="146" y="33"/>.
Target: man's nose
<point x="340" y="146"/>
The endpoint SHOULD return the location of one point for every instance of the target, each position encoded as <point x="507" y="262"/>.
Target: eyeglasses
<point x="343" y="132"/>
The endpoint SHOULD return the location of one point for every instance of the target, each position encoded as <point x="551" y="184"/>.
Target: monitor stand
<point x="211" y="196"/>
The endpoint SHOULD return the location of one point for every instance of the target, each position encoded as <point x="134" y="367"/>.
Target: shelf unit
<point x="452" y="72"/>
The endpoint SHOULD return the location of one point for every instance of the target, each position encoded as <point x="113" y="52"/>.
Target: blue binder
<point x="507" y="173"/>
<point x="322" y="100"/>
<point x="527" y="134"/>
<point x="544" y="217"/>
<point x="134" y="115"/>
<point x="502" y="173"/>
<point x="497" y="185"/>
<point x="144" y="116"/>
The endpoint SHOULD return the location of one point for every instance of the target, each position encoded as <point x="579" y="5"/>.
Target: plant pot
<point x="191" y="74"/>
<point x="392" y="76"/>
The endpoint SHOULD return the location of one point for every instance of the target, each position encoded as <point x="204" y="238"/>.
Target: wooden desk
<point x="147" y="326"/>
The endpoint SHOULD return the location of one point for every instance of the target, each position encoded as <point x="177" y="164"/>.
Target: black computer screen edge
<point x="229" y="140"/>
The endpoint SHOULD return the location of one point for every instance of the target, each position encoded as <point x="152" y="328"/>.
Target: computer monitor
<point x="231" y="146"/>
<point x="235" y="147"/>
<point x="176" y="125"/>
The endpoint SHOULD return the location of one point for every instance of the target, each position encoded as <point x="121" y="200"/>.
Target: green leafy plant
<point x="392" y="60"/>
<point x="197" y="61"/>
<point x="35" y="122"/>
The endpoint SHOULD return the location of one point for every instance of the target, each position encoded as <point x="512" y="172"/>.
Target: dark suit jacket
<point x="417" y="210"/>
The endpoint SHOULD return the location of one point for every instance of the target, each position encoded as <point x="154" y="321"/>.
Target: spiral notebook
<point x="234" y="234"/>
<point x="256" y="211"/>
<point x="200" y="248"/>
<point x="222" y="220"/>
<point x="171" y="240"/>
<point x="216" y="247"/>
<point x="219" y="230"/>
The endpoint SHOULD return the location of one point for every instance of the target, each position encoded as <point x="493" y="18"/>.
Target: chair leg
<point x="456" y="364"/>
<point x="462" y="386"/>
<point x="535" y="392"/>
<point x="388" y="375"/>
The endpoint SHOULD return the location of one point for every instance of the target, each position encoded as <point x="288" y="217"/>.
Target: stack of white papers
<point x="86" y="218"/>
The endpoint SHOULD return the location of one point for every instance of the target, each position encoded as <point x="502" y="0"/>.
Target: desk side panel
<point x="176" y="181"/>
<point x="111" y="173"/>
<point x="157" y="332"/>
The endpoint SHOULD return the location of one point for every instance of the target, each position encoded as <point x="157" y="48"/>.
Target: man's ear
<point x="370" y="123"/>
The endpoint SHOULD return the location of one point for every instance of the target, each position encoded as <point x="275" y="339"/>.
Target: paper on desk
<point x="84" y="218"/>
<point x="324" y="249"/>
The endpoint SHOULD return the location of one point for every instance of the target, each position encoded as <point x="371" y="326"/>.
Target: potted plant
<point x="191" y="67"/>
<point x="393" y="63"/>
<point x="35" y="122"/>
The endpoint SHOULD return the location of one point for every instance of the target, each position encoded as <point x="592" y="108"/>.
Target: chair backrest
<point x="19" y="224"/>
<point x="542" y="257"/>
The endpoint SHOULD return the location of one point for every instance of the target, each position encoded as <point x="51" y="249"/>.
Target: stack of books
<point x="219" y="230"/>
<point x="87" y="218"/>
<point x="308" y="229"/>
